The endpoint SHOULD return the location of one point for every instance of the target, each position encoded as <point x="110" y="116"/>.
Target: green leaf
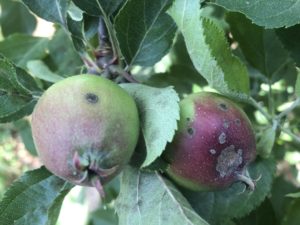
<point x="24" y="129"/>
<point x="27" y="81"/>
<point x="292" y="216"/>
<point x="29" y="199"/>
<point x="280" y="188"/>
<point x="40" y="70"/>
<point x="149" y="198"/>
<point x="297" y="86"/>
<point x="111" y="191"/>
<point x="93" y="7"/>
<point x="14" y="79"/>
<point x="77" y="34"/>
<point x="16" y="90"/>
<point x="76" y="27"/>
<point x="145" y="32"/>
<point x="181" y="74"/>
<point x="270" y="14"/>
<point x="290" y="38"/>
<point x="104" y="216"/>
<point x="54" y="209"/>
<point x="209" y="50"/>
<point x="182" y="77"/>
<point x="261" y="47"/>
<point x="231" y="203"/>
<point x="63" y="59"/>
<point x="15" y="18"/>
<point x="74" y="12"/>
<point x="266" y="142"/>
<point x="14" y="107"/>
<point x="293" y="195"/>
<point x="262" y="215"/>
<point x="54" y="11"/>
<point x="8" y="77"/>
<point x="21" y="48"/>
<point x="159" y="112"/>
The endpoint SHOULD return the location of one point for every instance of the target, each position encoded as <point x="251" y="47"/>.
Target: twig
<point x="261" y="110"/>
<point x="123" y="73"/>
<point x="289" y="109"/>
<point x="290" y="133"/>
<point x="270" y="99"/>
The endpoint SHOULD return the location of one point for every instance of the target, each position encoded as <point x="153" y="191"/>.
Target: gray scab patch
<point x="222" y="138"/>
<point x="212" y="151"/>
<point x="229" y="160"/>
<point x="226" y="123"/>
<point x="92" y="98"/>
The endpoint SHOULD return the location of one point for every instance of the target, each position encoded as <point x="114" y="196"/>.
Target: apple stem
<point x="246" y="180"/>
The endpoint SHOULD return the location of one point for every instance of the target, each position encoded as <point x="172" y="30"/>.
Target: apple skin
<point x="213" y="144"/>
<point x="85" y="127"/>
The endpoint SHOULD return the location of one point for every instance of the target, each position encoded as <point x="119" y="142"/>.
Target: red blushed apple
<point x="85" y="128"/>
<point x="213" y="145"/>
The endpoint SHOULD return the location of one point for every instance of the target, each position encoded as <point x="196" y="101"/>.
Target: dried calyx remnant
<point x="221" y="147"/>
<point x="88" y="167"/>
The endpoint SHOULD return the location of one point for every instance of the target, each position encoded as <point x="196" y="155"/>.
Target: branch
<point x="290" y="133"/>
<point x="289" y="109"/>
<point x="261" y="110"/>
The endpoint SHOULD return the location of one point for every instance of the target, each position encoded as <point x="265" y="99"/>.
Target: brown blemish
<point x="92" y="98"/>
<point x="237" y="122"/>
<point x="229" y="160"/>
<point x="223" y="107"/>
<point x="190" y="131"/>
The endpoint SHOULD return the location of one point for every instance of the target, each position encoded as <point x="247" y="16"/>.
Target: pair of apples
<point x="86" y="128"/>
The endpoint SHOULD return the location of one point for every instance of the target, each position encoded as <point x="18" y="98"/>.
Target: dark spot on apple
<point x="91" y="98"/>
<point x="190" y="131"/>
<point x="237" y="122"/>
<point x="226" y="124"/>
<point x="188" y="119"/>
<point x="223" y="107"/>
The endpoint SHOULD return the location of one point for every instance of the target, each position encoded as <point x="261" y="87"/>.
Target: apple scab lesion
<point x="191" y="131"/>
<point x="237" y="122"/>
<point x="229" y="160"/>
<point x="226" y="123"/>
<point x="222" y="138"/>
<point x="212" y="151"/>
<point x="92" y="98"/>
<point x="223" y="107"/>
